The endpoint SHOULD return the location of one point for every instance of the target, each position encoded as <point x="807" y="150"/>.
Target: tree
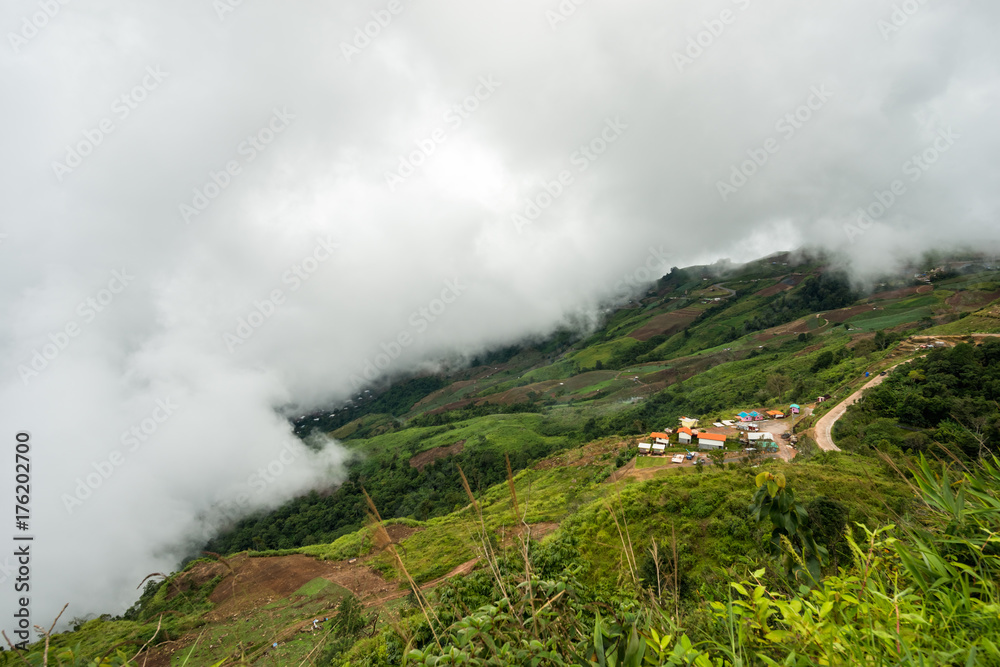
<point x="791" y="540"/>
<point x="824" y="360"/>
<point x="718" y="457"/>
<point x="777" y="384"/>
<point x="883" y="340"/>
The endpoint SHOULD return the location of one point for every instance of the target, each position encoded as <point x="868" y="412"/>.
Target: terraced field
<point x="667" y="323"/>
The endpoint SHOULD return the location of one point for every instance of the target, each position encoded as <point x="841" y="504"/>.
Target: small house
<point x="794" y="407"/>
<point x="775" y="414"/>
<point x="763" y="435"/>
<point x="689" y="422"/>
<point x="659" y="448"/>
<point x="711" y="441"/>
<point x="644" y="447"/>
<point x="685" y="435"/>
<point x="661" y="438"/>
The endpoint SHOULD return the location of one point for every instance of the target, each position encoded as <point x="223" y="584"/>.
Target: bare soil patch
<point x="972" y="300"/>
<point x="792" y="328"/>
<point x="667" y="323"/>
<point x="450" y="389"/>
<point x="773" y="289"/>
<point x="786" y="283"/>
<point x="424" y="459"/>
<point x="537" y="532"/>
<point x="844" y="314"/>
<point x="589" y="454"/>
<point x="902" y="293"/>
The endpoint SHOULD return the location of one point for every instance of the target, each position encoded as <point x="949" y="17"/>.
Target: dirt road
<point x="824" y="427"/>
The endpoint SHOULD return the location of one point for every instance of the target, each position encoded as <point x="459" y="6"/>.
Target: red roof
<point x="712" y="436"/>
<point x="659" y="435"/>
<point x="685" y="429"/>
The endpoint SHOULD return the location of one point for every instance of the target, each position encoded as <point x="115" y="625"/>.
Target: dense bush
<point x="950" y="396"/>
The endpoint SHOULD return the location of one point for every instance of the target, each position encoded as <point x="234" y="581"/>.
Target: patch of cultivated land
<point x="451" y="389"/>
<point x="590" y="454"/>
<point x="805" y="325"/>
<point x="902" y="293"/>
<point x="666" y="323"/>
<point x="972" y="300"/>
<point x="844" y="314"/>
<point x="424" y="459"/>
<point x="786" y="283"/>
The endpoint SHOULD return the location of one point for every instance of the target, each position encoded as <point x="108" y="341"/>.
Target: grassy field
<point x="588" y="357"/>
<point x="507" y="432"/>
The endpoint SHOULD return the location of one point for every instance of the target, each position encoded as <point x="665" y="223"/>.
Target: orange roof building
<point x="711" y="441"/>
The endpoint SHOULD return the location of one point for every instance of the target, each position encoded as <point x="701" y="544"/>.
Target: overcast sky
<point x="210" y="211"/>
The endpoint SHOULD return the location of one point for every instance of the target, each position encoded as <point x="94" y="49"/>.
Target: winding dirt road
<point x="824" y="427"/>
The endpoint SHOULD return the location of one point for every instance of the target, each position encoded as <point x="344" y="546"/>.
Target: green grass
<point x="557" y="371"/>
<point x="644" y="462"/>
<point x="966" y="325"/>
<point x="874" y="322"/>
<point x="543" y="496"/>
<point x="588" y="357"/>
<point x="505" y="431"/>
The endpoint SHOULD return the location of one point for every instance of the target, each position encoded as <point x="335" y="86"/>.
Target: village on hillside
<point x="764" y="431"/>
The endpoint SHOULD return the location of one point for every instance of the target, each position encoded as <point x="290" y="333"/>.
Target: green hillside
<point x="499" y="514"/>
